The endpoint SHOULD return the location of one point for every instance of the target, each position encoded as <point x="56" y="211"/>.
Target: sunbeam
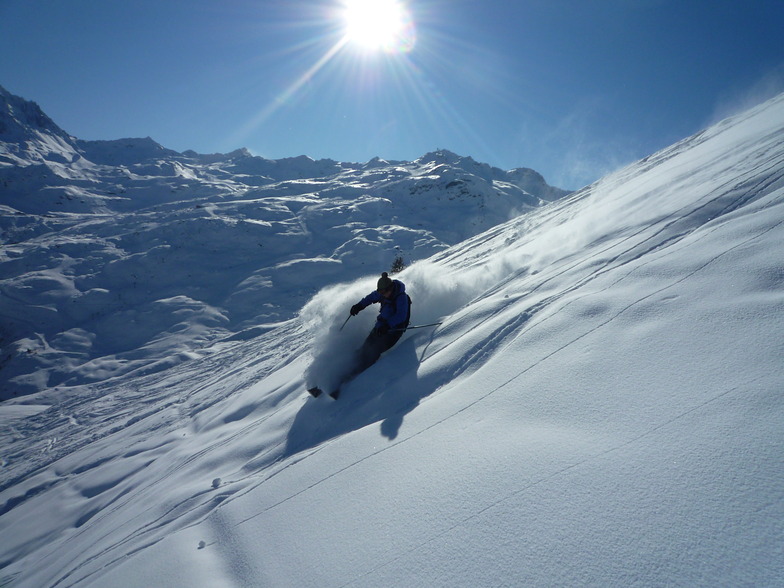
<point x="281" y="99"/>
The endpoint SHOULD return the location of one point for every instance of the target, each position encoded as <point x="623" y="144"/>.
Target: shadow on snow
<point x="386" y="392"/>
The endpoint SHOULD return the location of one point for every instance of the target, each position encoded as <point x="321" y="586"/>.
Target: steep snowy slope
<point x="177" y="251"/>
<point x="601" y="406"/>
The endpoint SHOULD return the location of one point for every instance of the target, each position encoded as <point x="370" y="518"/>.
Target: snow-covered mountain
<point x="601" y="406"/>
<point x="179" y="250"/>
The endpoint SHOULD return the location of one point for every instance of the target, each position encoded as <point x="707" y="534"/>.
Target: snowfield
<point x="601" y="405"/>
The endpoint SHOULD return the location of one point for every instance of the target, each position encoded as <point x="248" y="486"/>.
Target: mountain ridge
<point x="20" y="117"/>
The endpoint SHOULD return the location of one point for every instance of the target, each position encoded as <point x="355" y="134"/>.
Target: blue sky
<point x="573" y="89"/>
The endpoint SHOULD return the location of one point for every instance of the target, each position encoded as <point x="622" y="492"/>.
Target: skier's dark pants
<point x="373" y="347"/>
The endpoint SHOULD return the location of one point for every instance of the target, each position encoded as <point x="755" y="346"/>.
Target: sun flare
<point x="378" y="25"/>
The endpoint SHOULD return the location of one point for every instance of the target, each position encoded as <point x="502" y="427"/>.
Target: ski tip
<point x="316" y="392"/>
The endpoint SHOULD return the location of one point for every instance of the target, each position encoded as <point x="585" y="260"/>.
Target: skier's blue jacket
<point x="395" y="311"/>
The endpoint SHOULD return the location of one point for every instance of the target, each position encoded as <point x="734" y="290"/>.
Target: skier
<point x="391" y="323"/>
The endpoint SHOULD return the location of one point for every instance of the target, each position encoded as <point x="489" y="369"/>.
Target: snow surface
<point x="601" y="406"/>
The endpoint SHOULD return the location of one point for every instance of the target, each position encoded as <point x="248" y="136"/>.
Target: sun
<point x="378" y="25"/>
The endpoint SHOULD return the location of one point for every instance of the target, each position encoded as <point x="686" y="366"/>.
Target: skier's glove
<point x="355" y="309"/>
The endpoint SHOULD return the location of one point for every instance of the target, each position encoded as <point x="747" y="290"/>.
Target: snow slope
<point x="125" y="236"/>
<point x="601" y="406"/>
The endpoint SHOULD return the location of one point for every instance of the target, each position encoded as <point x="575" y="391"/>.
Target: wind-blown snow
<point x="601" y="406"/>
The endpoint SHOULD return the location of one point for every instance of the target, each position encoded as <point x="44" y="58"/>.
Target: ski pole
<point x="344" y="324"/>
<point x="416" y="327"/>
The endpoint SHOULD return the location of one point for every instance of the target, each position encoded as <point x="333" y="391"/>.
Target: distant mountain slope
<point x="102" y="235"/>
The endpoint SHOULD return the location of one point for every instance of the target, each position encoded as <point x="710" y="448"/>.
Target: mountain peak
<point x="30" y="136"/>
<point x="441" y="156"/>
<point x="20" y="117"/>
<point x="125" y="151"/>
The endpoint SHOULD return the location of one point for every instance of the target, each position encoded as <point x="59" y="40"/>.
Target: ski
<point x="316" y="392"/>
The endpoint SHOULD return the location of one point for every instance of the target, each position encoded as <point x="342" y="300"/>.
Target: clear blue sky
<point x="571" y="88"/>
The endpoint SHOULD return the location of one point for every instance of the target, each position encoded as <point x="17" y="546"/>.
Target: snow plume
<point x="435" y="290"/>
<point x="333" y="348"/>
<point x="767" y="86"/>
